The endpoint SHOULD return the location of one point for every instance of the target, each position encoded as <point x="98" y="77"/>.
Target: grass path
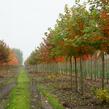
<point x="52" y="99"/>
<point x="20" y="95"/>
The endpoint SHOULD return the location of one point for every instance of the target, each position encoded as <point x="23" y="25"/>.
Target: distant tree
<point x="4" y="52"/>
<point x="19" y="55"/>
<point x="13" y="60"/>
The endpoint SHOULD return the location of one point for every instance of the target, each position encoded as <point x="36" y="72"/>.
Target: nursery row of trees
<point x="80" y="33"/>
<point x="9" y="56"/>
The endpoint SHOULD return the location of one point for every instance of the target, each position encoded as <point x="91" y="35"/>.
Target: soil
<point x="35" y="97"/>
<point x="37" y="100"/>
<point x="60" y="85"/>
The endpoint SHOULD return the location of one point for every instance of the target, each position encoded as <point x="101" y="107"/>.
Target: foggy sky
<point x="23" y="22"/>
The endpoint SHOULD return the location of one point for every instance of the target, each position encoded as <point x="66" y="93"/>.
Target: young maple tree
<point x="99" y="32"/>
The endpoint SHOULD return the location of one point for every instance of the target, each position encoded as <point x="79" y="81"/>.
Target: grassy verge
<point x="20" y="96"/>
<point x="53" y="100"/>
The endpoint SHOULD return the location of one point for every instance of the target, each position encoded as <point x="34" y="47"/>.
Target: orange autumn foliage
<point x="105" y="23"/>
<point x="12" y="59"/>
<point x="60" y="59"/>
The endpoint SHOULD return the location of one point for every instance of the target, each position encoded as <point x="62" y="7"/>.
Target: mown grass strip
<point x="53" y="100"/>
<point x="20" y="95"/>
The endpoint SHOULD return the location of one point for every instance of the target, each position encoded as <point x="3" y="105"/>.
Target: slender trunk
<point x="76" y="75"/>
<point x="107" y="67"/>
<point x="103" y="70"/>
<point x="95" y="70"/>
<point x="71" y="73"/>
<point x="85" y="70"/>
<point x="91" y="68"/>
<point x="81" y="75"/>
<point x="66" y="69"/>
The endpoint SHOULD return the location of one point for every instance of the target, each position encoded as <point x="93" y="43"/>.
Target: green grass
<point x="53" y="100"/>
<point x="20" y="95"/>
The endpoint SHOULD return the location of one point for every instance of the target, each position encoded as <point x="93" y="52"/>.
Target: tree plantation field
<point x="58" y="82"/>
<point x="70" y="67"/>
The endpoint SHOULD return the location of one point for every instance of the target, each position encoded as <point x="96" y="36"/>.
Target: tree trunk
<point x="71" y="73"/>
<point x="103" y="71"/>
<point x="81" y="76"/>
<point x="95" y="64"/>
<point x="91" y="68"/>
<point x="76" y="75"/>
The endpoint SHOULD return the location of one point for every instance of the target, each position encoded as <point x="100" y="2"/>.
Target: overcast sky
<point x="23" y="22"/>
